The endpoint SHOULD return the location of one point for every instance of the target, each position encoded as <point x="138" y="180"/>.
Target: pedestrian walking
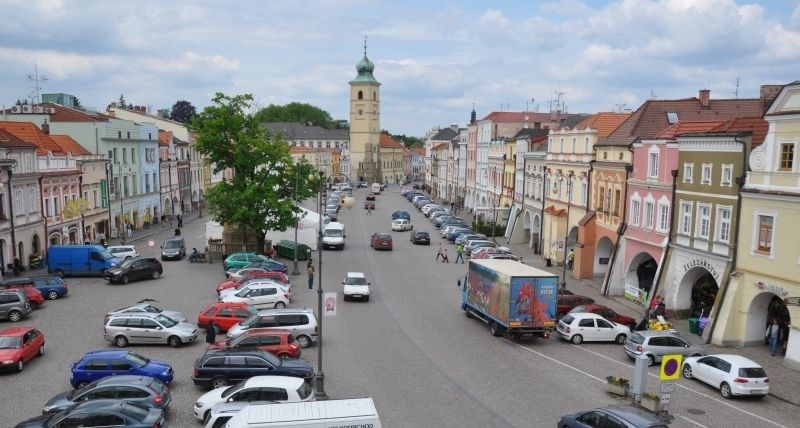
<point x="439" y="253"/>
<point x="130" y="230"/>
<point x="310" y="275"/>
<point x="444" y="257"/>
<point x="774" y="334"/>
<point x="459" y="253"/>
<point x="180" y="220"/>
<point x="570" y="259"/>
<point x="211" y="334"/>
<point x="654" y="305"/>
<point x="170" y="221"/>
<point x="369" y="209"/>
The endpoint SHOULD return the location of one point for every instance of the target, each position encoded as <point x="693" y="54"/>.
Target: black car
<point x="401" y="215"/>
<point x="100" y="413"/>
<point x="144" y="390"/>
<point x="225" y="367"/>
<point x="420" y="237"/>
<point x="133" y="269"/>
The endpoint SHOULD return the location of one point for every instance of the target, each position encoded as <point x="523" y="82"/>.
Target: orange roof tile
<point x="164" y="137"/>
<point x="604" y="122"/>
<point x="418" y="150"/>
<point x="755" y="124"/>
<point x="67" y="144"/>
<point x="687" y="127"/>
<point x="28" y="131"/>
<point x="9" y="140"/>
<point x="389" y="142"/>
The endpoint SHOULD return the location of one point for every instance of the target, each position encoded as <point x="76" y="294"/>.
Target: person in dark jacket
<point x="211" y="335"/>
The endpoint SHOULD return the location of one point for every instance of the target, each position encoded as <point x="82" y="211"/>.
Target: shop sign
<point x="791" y="301"/>
<point x="703" y="264"/>
<point x="772" y="288"/>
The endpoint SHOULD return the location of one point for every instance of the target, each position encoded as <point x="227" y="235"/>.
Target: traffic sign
<point x="671" y="367"/>
<point x="151" y="243"/>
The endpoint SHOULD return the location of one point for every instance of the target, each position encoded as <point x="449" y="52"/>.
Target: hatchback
<point x="144" y="390"/>
<point x="279" y="343"/>
<point x="401" y="225"/>
<point x="420" y="237"/>
<point x="239" y="260"/>
<point x="18" y="346"/>
<point x="234" y="281"/>
<point x="607" y="313"/>
<point x="173" y="248"/>
<point x="218" y="368"/>
<point x="34" y="296"/>
<point x="14" y="305"/>
<point x="657" y="343"/>
<point x="237" y="274"/>
<point x="381" y="241"/>
<point x="99" y="364"/>
<point x="589" y="327"/>
<point x="259" y="294"/>
<point x="101" y="413"/>
<point x="282" y="389"/>
<point x="269" y="264"/>
<point x="52" y="287"/>
<point x="566" y="303"/>
<point x="147" y="329"/>
<point x="223" y="315"/>
<point x="731" y="374"/>
<point x="616" y="416"/>
<point x="301" y="322"/>
<point x="401" y="214"/>
<point x="133" y="269"/>
<point x="369" y="205"/>
<point x="123" y="252"/>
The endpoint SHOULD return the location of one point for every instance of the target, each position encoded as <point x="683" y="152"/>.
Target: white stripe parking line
<point x="691" y="421"/>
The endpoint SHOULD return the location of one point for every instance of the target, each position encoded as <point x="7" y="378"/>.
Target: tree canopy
<point x="260" y="195"/>
<point x="297" y="112"/>
<point x="182" y="111"/>
<point x="409" y="142"/>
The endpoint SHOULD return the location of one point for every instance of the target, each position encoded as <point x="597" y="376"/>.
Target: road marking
<point x="649" y="374"/>
<point x="691" y="421"/>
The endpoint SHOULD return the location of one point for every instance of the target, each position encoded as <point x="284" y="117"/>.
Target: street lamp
<point x="566" y="236"/>
<point x="295" y="269"/>
<point x="348" y="202"/>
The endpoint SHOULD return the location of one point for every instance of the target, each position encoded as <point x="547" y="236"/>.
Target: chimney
<point x="705" y="98"/>
<point x="768" y="95"/>
<point x="46" y="127"/>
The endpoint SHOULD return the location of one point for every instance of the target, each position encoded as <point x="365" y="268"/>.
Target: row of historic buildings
<point x="692" y="199"/>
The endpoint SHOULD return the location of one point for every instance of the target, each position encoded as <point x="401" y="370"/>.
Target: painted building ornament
<point x="772" y="288"/>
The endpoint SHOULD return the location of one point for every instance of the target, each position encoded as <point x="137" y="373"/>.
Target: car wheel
<point x="495" y="329"/>
<point x="687" y="371"/>
<point x="156" y="274"/>
<point x="59" y="273"/>
<point x="41" y="349"/>
<point x="280" y="305"/>
<point x="14" y="316"/>
<point x="218" y="382"/>
<point x="20" y="365"/>
<point x="174" y="341"/>
<point x="52" y="295"/>
<point x="304" y="341"/>
<point x="124" y="279"/>
<point x="621" y="339"/>
<point x="576" y="339"/>
<point x="725" y="390"/>
<point x="366" y="299"/>
<point x="81" y="384"/>
<point x="346" y="297"/>
<point x="121" y="341"/>
<point x="650" y="360"/>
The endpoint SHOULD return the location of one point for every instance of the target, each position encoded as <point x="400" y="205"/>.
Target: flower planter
<point x="617" y="389"/>
<point x="651" y="404"/>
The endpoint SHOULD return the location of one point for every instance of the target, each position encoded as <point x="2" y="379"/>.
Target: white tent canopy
<point x="306" y="230"/>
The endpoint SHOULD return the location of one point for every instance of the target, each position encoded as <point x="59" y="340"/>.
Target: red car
<point x="370" y="196"/>
<point x="381" y="241"/>
<point x="18" y="345"/>
<point x="567" y="302"/>
<point x="34" y="296"/>
<point x="276" y="276"/>
<point x="224" y="315"/>
<point x="607" y="313"/>
<point x="279" y="343"/>
<point x="369" y="205"/>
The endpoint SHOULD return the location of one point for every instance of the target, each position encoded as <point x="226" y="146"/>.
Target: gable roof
<point x="604" y="122"/>
<point x="754" y="124"/>
<point x="298" y="131"/>
<point x="531" y="133"/>
<point x="66" y="114"/>
<point x="418" y="151"/>
<point x="445" y="134"/>
<point x="67" y="144"/>
<point x="28" y="131"/>
<point x="11" y="141"/>
<point x="388" y="142"/>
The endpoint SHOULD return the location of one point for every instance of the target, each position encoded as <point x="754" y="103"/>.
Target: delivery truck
<point x="514" y="299"/>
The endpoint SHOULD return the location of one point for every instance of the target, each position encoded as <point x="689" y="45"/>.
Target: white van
<point x="357" y="412"/>
<point x="376" y="188"/>
<point x="333" y="236"/>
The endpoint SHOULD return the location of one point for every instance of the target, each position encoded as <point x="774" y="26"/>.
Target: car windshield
<point x="10" y="342"/>
<point x="136" y="359"/>
<point x="127" y="263"/>
<point x="135" y="411"/>
<point x="334" y="233"/>
<point x="384" y="236"/>
<point x="166" y="321"/>
<point x="636" y="338"/>
<point x="106" y="255"/>
<point x="751" y="372"/>
<point x="232" y="389"/>
<point x="152" y="309"/>
<point x="356" y="280"/>
<point x="173" y="244"/>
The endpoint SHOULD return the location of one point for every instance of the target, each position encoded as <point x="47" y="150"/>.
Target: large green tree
<point x="297" y="112"/>
<point x="182" y="111"/>
<point x="260" y="195"/>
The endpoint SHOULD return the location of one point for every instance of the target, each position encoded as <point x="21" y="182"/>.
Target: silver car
<point x="301" y="322"/>
<point x="657" y="343"/>
<point x="147" y="308"/>
<point x="147" y="328"/>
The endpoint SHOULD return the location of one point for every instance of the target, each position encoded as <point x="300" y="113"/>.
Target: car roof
<point x="110" y="353"/>
<point x="103" y="403"/>
<point x="280" y="381"/>
<point x="286" y="311"/>
<point x="130" y="247"/>
<point x="266" y="332"/>
<point x="737" y="360"/>
<point x="125" y="380"/>
<point x="632" y="414"/>
<point x="15" y="331"/>
<point x="356" y="275"/>
<point x="134" y="314"/>
<point x="651" y="333"/>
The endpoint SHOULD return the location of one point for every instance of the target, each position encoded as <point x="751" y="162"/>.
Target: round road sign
<point x="670" y="367"/>
<point x="151" y="243"/>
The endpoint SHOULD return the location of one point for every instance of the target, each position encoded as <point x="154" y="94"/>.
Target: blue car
<point x="401" y="215"/>
<point x="99" y="364"/>
<point x="52" y="287"/>
<point x="456" y="233"/>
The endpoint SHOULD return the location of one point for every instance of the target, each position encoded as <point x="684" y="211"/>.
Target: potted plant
<point x="617" y="385"/>
<point x="651" y="402"/>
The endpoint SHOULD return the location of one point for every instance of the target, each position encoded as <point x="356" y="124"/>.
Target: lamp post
<point x="295" y="268"/>
<point x="566" y="236"/>
<point x="349" y="202"/>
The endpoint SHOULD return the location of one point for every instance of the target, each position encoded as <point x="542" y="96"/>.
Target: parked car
<point x="567" y="302"/>
<point x="301" y="322"/>
<point x="223" y="315"/>
<point x="282" y="389"/>
<point x="135" y="269"/>
<point x="355" y="286"/>
<point x="34" y="296"/>
<point x="173" y="248"/>
<point x="14" y="305"/>
<point x="731" y="374"/>
<point x="370" y="196"/>
<point x="616" y="415"/>
<point x="52" y="287"/>
<point x="657" y="343"/>
<point x="279" y="343"/>
<point x="96" y="413"/>
<point x="401" y="225"/>
<point x="147" y="328"/>
<point x="144" y="307"/>
<point x="607" y="313"/>
<point x="236" y="281"/>
<point x="369" y="205"/>
<point x="467" y="236"/>
<point x="259" y="294"/>
<point x="239" y="260"/>
<point x="123" y="252"/>
<point x="589" y="327"/>
<point x="79" y="260"/>
<point x="401" y="214"/>
<point x="381" y="241"/>
<point x="477" y="243"/>
<point x="95" y="365"/>
<point x="269" y="264"/>
<point x="420" y="236"/>
<point x="145" y="390"/>
<point x="18" y="346"/>
<point x="223" y="367"/>
<point x="237" y="274"/>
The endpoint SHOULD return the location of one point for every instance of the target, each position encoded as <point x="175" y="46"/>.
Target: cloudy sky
<point x="433" y="58"/>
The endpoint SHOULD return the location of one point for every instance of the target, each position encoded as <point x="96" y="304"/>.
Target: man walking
<point x="439" y="253"/>
<point x="310" y="274"/>
<point x="774" y="335"/>
<point x="369" y="209"/>
<point x="180" y="220"/>
<point x="460" y="253"/>
<point x="570" y="259"/>
<point x="444" y="257"/>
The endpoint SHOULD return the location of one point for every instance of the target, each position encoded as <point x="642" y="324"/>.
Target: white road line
<point x="691" y="421"/>
<point x="650" y="374"/>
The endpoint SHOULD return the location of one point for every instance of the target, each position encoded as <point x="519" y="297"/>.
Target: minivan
<point x="333" y="236"/>
<point x="376" y="188"/>
<point x="301" y="322"/>
<point x="79" y="260"/>
<point x="656" y="343"/>
<point x="14" y="305"/>
<point x="173" y="248"/>
<point x="353" y="412"/>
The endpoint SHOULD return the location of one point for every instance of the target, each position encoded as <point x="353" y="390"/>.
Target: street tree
<point x="259" y="197"/>
<point x="182" y="111"/>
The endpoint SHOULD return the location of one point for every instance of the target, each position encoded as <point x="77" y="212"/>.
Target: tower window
<point x="360" y="95"/>
<point x="374" y="96"/>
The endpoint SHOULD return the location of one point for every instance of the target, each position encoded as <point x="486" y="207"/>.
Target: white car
<point x="731" y="374"/>
<point x="123" y="252"/>
<point x="283" y="389"/>
<point x="355" y="286"/>
<point x="258" y="294"/>
<point x="589" y="327"/>
<point x="401" y="225"/>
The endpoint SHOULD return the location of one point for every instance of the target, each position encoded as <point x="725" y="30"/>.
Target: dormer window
<point x="672" y="117"/>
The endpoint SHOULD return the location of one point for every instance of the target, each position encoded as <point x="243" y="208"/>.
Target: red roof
<point x="418" y="150"/>
<point x="755" y="124"/>
<point x="65" y="114"/>
<point x="389" y="142"/>
<point x="519" y="116"/>
<point x="164" y="137"/>
<point x="605" y="122"/>
<point x="687" y="127"/>
<point x="67" y="144"/>
<point x="27" y="131"/>
<point x="9" y="140"/>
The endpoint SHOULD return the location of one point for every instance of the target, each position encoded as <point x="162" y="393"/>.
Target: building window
<point x="124" y="155"/>
<point x="649" y="214"/>
<point x="705" y="177"/>
<point x="574" y="145"/>
<point x="765" y="224"/>
<point x="584" y="192"/>
<point x="95" y="200"/>
<point x="688" y="172"/>
<point x="33" y="206"/>
<point x="727" y="175"/>
<point x="561" y="143"/>
<point x="787" y="156"/>
<point x="723" y="231"/>
<point x="652" y="164"/>
<point x="586" y="145"/>
<point x="600" y="206"/>
<point x="47" y="207"/>
<point x="617" y="199"/>
<point x="703" y="221"/>
<point x="663" y="217"/>
<point x="18" y="200"/>
<point x="635" y="212"/>
<point x="686" y="218"/>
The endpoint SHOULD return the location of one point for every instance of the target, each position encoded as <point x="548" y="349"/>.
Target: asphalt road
<point x="410" y="347"/>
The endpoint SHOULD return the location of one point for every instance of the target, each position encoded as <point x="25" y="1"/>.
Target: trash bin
<point x="693" y="325"/>
<point x="285" y="249"/>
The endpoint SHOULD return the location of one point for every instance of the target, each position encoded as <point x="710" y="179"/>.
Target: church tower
<point x="365" y="123"/>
